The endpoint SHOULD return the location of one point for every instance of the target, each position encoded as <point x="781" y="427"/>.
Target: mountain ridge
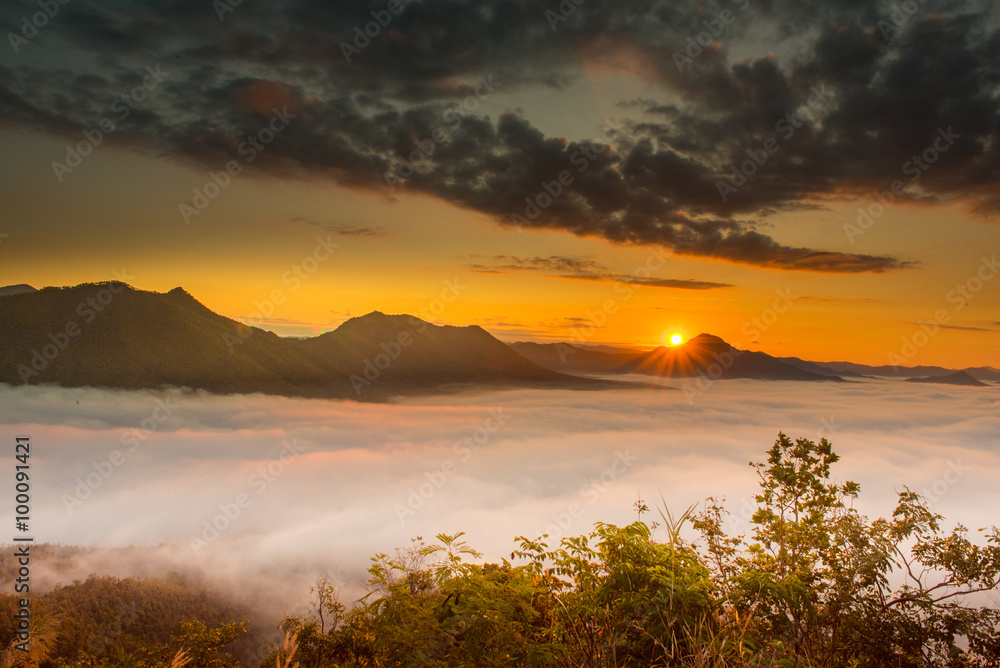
<point x="704" y="355"/>
<point x="113" y="335"/>
<point x="961" y="378"/>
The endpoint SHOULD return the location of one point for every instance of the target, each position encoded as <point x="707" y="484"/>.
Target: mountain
<point x="816" y="367"/>
<point x="112" y="335"/>
<point x="569" y="358"/>
<point x="16" y="289"/>
<point x="986" y="373"/>
<point x="406" y="351"/>
<point x="850" y="368"/>
<point x="957" y="378"/>
<point x="704" y="355"/>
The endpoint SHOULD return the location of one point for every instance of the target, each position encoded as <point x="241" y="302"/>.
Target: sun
<point x="676" y="339"/>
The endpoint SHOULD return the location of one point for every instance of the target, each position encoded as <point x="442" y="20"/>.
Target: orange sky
<point x="246" y="246"/>
<point x="260" y="251"/>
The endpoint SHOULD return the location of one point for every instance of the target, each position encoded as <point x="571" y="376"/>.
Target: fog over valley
<point x="235" y="487"/>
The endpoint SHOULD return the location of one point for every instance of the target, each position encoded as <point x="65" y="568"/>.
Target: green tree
<point x="817" y="579"/>
<point x="816" y="583"/>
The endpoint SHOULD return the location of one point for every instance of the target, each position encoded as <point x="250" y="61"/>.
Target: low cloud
<point x="367" y="478"/>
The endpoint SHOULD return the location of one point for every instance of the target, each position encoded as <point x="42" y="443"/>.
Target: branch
<point x="990" y="587"/>
<point x="961" y="592"/>
<point x="907" y="563"/>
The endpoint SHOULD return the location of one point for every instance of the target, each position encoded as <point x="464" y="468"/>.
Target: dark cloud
<point x="848" y="107"/>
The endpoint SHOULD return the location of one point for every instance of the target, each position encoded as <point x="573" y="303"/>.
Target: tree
<point x="624" y="600"/>
<point x="817" y="578"/>
<point x="816" y="583"/>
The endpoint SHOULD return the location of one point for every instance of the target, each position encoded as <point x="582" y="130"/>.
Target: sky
<point x="279" y="491"/>
<point x="809" y="179"/>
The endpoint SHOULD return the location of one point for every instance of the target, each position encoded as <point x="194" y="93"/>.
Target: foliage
<point x="106" y="621"/>
<point x="824" y="585"/>
<point x="812" y="583"/>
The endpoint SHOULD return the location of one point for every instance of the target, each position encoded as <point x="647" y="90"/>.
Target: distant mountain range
<point x="112" y="335"/>
<point x="702" y="356"/>
<point x="16" y="289"/>
<point x="957" y="378"/>
<point x="983" y="373"/>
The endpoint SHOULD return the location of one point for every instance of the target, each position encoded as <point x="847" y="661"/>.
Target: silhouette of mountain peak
<point x="707" y="340"/>
<point x="18" y="289"/>
<point x="133" y="339"/>
<point x="377" y="321"/>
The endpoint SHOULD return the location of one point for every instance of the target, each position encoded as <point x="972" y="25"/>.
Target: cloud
<point x="967" y="328"/>
<point x="677" y="283"/>
<point x="263" y="97"/>
<point x="563" y="265"/>
<point x="343" y="229"/>
<point x="586" y="269"/>
<point x="884" y="100"/>
<point x="337" y="502"/>
<point x="357" y="230"/>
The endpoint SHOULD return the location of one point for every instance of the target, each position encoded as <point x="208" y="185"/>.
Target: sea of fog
<point x="276" y="492"/>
